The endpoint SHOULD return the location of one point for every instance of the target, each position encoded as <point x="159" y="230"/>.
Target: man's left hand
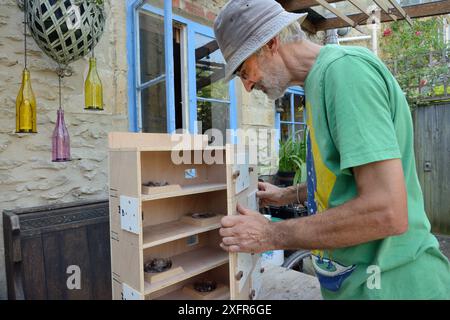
<point x="248" y="232"/>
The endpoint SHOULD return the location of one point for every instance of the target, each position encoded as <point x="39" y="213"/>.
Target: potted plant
<point x="291" y="160"/>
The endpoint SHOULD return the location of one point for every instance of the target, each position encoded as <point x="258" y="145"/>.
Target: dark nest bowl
<point x="205" y="285"/>
<point x="157" y="265"/>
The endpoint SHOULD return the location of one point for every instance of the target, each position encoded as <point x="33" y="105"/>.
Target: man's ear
<point x="273" y="45"/>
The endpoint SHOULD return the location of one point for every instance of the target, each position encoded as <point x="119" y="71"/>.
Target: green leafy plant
<point x="417" y="56"/>
<point x="292" y="155"/>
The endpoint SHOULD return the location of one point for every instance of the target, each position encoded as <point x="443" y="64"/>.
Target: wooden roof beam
<point x="414" y="11"/>
<point x="401" y="11"/>
<point x="339" y="13"/>
<point x="295" y="5"/>
<point x="383" y="6"/>
<point x="358" y="6"/>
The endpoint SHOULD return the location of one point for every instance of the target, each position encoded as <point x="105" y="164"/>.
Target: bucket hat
<point x="244" y="26"/>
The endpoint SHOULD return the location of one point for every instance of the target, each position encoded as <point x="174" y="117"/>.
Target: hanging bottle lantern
<point x="60" y="137"/>
<point x="26" y="101"/>
<point x="93" y="89"/>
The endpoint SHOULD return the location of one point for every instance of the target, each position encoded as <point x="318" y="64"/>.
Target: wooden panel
<point x="124" y="169"/>
<point x="100" y="257"/>
<point x="56" y="276"/>
<point x="126" y="265"/>
<point x="432" y="146"/>
<point x="243" y="199"/>
<point x="79" y="256"/>
<point x="154" y="141"/>
<point x="33" y="269"/>
<point x="125" y="180"/>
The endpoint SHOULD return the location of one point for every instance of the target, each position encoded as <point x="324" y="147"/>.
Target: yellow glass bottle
<point x="26" y="106"/>
<point x="93" y="89"/>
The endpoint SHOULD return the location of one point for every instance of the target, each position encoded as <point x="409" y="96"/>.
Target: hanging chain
<point x="59" y="79"/>
<point x="25" y="22"/>
<point x="92" y="30"/>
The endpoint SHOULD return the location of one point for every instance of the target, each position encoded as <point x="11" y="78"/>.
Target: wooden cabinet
<point x="167" y="196"/>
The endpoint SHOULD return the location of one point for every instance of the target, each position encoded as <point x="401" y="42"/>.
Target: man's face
<point x="264" y="72"/>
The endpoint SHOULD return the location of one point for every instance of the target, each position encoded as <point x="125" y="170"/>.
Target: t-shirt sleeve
<point x="359" y="113"/>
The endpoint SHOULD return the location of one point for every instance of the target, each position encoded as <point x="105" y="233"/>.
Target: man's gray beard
<point x="276" y="93"/>
<point x="275" y="82"/>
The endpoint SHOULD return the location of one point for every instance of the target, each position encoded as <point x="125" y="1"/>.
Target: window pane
<point x="298" y="108"/>
<point x="284" y="107"/>
<point x="213" y="115"/>
<point x="285" y="131"/>
<point x="151" y="35"/>
<point x="154" y="114"/>
<point x="299" y="131"/>
<point x="210" y="69"/>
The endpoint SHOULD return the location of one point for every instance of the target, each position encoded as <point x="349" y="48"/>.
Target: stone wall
<point x="28" y="177"/>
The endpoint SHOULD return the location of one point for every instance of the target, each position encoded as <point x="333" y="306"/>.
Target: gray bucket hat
<point x="244" y="26"/>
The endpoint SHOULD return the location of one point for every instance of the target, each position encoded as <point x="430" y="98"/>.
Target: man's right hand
<point x="269" y="194"/>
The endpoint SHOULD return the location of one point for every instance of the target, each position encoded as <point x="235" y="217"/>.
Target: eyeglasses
<point x="238" y="72"/>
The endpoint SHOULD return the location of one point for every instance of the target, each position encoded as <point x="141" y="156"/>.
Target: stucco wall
<point x="27" y="175"/>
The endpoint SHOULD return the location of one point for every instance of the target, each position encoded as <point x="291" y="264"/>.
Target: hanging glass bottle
<point x="93" y="89"/>
<point x="60" y="137"/>
<point x="26" y="101"/>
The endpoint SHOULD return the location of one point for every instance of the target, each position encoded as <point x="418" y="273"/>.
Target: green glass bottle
<point x="26" y="106"/>
<point x="93" y="89"/>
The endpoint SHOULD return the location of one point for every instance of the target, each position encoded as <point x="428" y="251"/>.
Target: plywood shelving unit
<point x="158" y="223"/>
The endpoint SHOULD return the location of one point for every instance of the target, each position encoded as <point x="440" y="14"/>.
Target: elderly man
<point x="368" y="231"/>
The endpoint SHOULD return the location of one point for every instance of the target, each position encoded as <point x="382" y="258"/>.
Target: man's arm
<point x="379" y="211"/>
<point x="269" y="194"/>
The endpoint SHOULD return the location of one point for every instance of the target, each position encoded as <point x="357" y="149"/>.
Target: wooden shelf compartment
<point x="193" y="262"/>
<point x="195" y="254"/>
<point x="182" y="179"/>
<point x="165" y="232"/>
<point x="177" y="292"/>
<point x="164" y="219"/>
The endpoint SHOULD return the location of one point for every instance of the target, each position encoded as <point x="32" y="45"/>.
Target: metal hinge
<point x="130" y="216"/>
<point x="128" y="293"/>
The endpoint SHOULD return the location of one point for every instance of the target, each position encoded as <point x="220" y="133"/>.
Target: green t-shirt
<point x="357" y="114"/>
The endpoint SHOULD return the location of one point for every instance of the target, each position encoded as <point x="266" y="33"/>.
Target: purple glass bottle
<point x="60" y="140"/>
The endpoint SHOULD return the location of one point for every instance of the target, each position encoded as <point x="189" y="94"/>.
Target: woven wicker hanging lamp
<point x="66" y="30"/>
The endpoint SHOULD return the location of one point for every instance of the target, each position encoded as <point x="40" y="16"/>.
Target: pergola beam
<point x="295" y="5"/>
<point x="414" y="11"/>
<point x="358" y="6"/>
<point x="385" y="8"/>
<point x="339" y="13"/>
<point x="401" y="11"/>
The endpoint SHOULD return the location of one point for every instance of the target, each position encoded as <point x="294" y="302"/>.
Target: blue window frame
<point x="290" y="114"/>
<point x="201" y="100"/>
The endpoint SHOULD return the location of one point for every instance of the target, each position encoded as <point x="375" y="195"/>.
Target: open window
<point x="194" y="96"/>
